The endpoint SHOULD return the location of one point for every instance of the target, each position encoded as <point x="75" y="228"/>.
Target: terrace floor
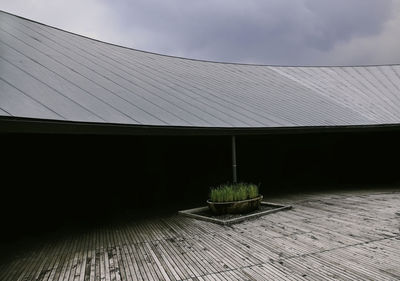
<point x="332" y="235"/>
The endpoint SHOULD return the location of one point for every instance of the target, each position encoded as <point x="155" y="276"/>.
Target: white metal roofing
<point x="47" y="73"/>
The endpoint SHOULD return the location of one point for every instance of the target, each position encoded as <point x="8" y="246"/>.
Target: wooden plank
<point x="27" y="270"/>
<point x="303" y="243"/>
<point x="69" y="254"/>
<point x="134" y="269"/>
<point x="57" y="257"/>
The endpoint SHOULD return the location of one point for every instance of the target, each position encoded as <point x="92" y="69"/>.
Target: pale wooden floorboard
<point x="328" y="235"/>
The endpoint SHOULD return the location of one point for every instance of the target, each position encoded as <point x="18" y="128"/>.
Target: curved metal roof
<point x="47" y="73"/>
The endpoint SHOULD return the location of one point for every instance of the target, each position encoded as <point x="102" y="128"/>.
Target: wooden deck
<point x="345" y="236"/>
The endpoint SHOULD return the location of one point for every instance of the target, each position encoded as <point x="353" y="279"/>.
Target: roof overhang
<point x="18" y="125"/>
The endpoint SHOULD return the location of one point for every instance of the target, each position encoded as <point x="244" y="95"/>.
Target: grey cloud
<point x="288" y="32"/>
<point x="271" y="32"/>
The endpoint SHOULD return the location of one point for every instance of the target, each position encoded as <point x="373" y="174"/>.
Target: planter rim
<point x="230" y="202"/>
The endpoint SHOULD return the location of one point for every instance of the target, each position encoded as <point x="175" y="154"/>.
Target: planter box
<point x="204" y="213"/>
<point x="235" y="207"/>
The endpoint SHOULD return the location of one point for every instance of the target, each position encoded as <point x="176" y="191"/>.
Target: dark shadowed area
<point x="56" y="180"/>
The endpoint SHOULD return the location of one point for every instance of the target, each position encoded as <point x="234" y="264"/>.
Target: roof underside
<point x="50" y="74"/>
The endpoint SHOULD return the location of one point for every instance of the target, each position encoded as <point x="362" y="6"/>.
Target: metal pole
<point x="234" y="171"/>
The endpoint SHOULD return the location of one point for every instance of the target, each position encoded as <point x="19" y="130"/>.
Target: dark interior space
<point x="49" y="181"/>
<point x="289" y="163"/>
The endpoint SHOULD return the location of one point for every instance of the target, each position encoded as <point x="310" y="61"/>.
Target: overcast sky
<point x="288" y="32"/>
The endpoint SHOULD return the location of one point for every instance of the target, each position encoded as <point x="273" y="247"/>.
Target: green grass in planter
<point x="233" y="192"/>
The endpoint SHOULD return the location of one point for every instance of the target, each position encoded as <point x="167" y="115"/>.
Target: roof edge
<point x="192" y="59"/>
<point x="23" y="125"/>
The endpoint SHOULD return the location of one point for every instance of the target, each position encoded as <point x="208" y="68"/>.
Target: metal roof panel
<point x="48" y="73"/>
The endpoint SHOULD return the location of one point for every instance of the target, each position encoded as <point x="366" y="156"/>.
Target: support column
<point x="234" y="170"/>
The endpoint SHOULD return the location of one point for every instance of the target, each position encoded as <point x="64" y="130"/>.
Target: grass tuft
<point x="233" y="192"/>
